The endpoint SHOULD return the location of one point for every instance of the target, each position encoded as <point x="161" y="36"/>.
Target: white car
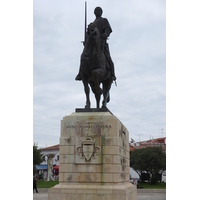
<point x="164" y="176"/>
<point x="133" y="174"/>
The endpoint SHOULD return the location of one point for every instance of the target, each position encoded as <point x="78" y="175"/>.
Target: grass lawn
<point x="46" y="184"/>
<point x="49" y="184"/>
<point x="150" y="186"/>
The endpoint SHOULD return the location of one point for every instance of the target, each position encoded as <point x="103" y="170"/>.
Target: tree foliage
<point x="150" y="159"/>
<point x="37" y="157"/>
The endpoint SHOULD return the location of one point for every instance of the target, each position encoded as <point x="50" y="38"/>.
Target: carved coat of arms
<point x="88" y="149"/>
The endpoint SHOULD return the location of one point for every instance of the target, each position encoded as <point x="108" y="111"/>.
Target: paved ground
<point x="151" y="196"/>
<point x="140" y="196"/>
<point x="40" y="196"/>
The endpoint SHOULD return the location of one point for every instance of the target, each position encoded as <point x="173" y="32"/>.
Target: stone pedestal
<point x="94" y="159"/>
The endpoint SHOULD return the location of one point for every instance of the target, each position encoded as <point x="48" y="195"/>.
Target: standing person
<point x="45" y="175"/>
<point x="35" y="185"/>
<point x="135" y="182"/>
<point x="104" y="29"/>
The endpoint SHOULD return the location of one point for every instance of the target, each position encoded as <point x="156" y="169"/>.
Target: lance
<point x="85" y="23"/>
<point x="85" y="19"/>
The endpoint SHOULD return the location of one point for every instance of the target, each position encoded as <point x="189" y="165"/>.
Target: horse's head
<point x="92" y="31"/>
<point x="93" y="40"/>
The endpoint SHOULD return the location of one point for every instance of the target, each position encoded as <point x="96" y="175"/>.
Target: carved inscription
<point x="88" y="126"/>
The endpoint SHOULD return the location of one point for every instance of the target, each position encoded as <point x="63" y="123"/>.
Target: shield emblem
<point x="88" y="151"/>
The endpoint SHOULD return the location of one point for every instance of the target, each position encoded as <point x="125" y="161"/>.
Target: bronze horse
<point x="94" y="68"/>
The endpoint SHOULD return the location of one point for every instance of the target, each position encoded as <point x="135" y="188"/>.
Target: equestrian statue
<point x="96" y="65"/>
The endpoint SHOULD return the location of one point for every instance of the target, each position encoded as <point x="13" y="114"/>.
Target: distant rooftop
<point x="55" y="147"/>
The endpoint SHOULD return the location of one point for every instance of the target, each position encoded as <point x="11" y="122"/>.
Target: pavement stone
<point x="142" y="194"/>
<point x="151" y="196"/>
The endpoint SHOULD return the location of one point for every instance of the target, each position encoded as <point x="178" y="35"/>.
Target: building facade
<point x="149" y="143"/>
<point x="43" y="167"/>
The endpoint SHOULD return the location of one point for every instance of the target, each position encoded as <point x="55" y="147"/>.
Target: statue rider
<point x="104" y="29"/>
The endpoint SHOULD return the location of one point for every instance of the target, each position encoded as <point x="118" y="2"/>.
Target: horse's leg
<point x="87" y="90"/>
<point x="87" y="93"/>
<point x="97" y="96"/>
<point x="95" y="74"/>
<point x="106" y="95"/>
<point x="104" y="102"/>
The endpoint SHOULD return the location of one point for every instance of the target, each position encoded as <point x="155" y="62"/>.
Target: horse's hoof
<point x="87" y="106"/>
<point x="103" y="106"/>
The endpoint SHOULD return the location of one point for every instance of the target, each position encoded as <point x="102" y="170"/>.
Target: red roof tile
<point x="55" y="147"/>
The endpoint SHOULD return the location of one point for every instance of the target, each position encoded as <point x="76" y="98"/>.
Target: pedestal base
<point x="126" y="191"/>
<point x="93" y="158"/>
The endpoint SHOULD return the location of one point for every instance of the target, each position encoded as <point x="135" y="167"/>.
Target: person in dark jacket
<point x="35" y="185"/>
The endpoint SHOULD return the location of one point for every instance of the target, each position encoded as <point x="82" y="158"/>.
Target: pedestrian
<point x="135" y="182"/>
<point x="35" y="185"/>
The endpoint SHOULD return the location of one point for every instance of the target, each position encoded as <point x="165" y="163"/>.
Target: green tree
<point x="150" y="159"/>
<point x="37" y="157"/>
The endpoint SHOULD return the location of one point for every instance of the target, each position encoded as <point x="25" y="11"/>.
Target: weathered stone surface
<point x="94" y="159"/>
<point x="74" y="191"/>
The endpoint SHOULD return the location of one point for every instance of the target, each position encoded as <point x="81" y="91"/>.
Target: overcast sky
<point x="138" y="50"/>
